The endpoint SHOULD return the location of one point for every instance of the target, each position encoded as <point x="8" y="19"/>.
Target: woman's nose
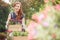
<point x="16" y="7"/>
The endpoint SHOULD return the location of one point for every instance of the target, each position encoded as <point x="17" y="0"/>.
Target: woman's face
<point x="17" y="7"/>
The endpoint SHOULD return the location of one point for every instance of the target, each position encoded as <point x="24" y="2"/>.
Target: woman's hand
<point x="6" y="26"/>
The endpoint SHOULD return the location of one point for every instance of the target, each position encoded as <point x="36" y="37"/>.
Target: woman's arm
<point x="7" y="23"/>
<point x="23" y="22"/>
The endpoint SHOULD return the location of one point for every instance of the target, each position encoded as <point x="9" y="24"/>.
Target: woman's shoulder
<point x="11" y="13"/>
<point x="23" y="14"/>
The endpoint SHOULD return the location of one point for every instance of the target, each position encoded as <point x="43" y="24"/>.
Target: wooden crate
<point x="20" y="38"/>
<point x="15" y="27"/>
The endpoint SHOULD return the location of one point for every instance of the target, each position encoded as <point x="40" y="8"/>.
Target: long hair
<point x="20" y="12"/>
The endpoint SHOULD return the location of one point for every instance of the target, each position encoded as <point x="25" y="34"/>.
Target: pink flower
<point x="32" y="30"/>
<point x="35" y="17"/>
<point x="47" y="9"/>
<point x="32" y="26"/>
<point x="53" y="1"/>
<point x="54" y="35"/>
<point x="57" y="7"/>
<point x="46" y="1"/>
<point x="45" y="24"/>
<point x="40" y="18"/>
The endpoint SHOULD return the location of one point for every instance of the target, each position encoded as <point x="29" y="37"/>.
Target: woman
<point x="17" y="15"/>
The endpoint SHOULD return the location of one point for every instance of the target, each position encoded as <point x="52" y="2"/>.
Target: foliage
<point x="3" y="35"/>
<point x="4" y="10"/>
<point x="46" y="22"/>
<point x="17" y="33"/>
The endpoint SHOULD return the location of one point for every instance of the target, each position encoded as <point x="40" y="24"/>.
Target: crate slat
<point x="14" y="27"/>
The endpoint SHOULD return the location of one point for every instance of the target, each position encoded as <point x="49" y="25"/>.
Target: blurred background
<point x="31" y="7"/>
